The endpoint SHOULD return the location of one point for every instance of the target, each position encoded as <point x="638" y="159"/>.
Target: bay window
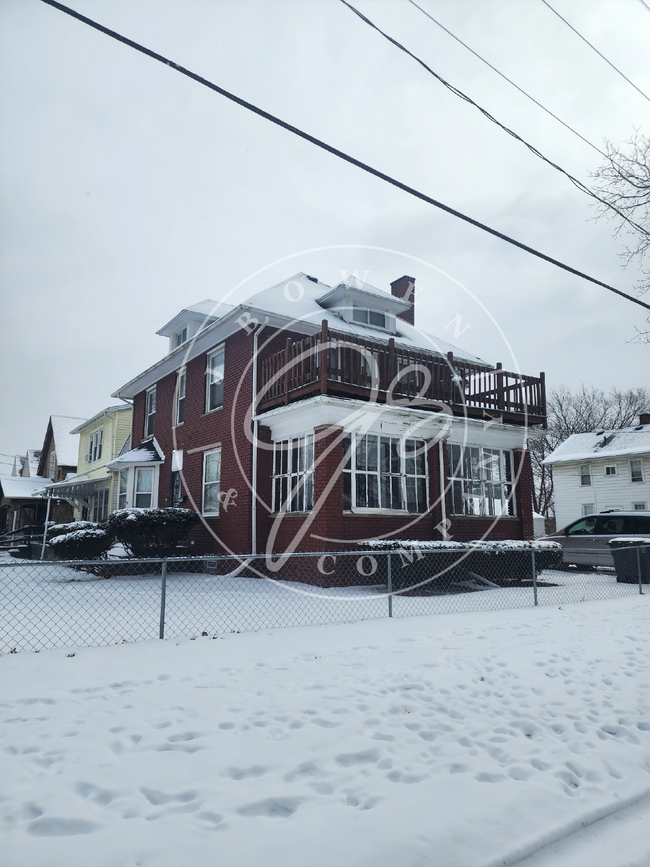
<point x="480" y="480"/>
<point x="143" y="487"/>
<point x="293" y="474"/>
<point x="387" y="473"/>
<point x="123" y="489"/>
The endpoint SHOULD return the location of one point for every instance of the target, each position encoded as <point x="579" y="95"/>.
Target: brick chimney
<point x="644" y="418"/>
<point x="404" y="288"/>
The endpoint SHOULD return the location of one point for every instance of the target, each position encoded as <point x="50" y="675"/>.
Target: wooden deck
<point x="348" y="365"/>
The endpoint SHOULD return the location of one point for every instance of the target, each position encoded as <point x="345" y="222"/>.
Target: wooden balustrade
<point x="350" y="365"/>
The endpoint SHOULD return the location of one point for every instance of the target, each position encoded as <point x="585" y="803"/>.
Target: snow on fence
<point x="47" y="604"/>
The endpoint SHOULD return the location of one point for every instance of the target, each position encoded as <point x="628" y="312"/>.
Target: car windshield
<point x="585" y="527"/>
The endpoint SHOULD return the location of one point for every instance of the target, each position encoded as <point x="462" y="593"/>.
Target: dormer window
<point x="180" y="337"/>
<point x="368" y="316"/>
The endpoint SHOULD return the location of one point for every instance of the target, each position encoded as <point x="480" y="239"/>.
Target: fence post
<point x="163" y="593"/>
<point x="638" y="565"/>
<point x="390" y="588"/>
<point x="532" y="554"/>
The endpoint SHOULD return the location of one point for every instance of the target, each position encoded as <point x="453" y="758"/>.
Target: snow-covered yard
<point x="49" y="605"/>
<point x="466" y="740"/>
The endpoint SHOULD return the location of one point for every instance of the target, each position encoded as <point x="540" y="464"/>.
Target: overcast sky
<point x="129" y="191"/>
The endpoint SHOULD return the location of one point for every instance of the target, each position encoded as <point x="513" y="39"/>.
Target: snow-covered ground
<point x="49" y="605"/>
<point x="466" y="740"/>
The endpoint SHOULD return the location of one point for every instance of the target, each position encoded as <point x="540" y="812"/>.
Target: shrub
<point x="448" y="566"/>
<point x="91" y="543"/>
<point x="151" y="532"/>
<point x="54" y="530"/>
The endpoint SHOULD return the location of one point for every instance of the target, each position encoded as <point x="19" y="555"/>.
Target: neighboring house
<point x="93" y="489"/>
<point x="450" y="421"/>
<point x="19" y="463"/>
<point x="58" y="458"/>
<point x="21" y="504"/>
<point x="603" y="470"/>
<point x="30" y="464"/>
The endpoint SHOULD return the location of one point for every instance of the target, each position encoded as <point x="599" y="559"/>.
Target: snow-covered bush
<point x="63" y="529"/>
<point x="87" y="543"/>
<point x="446" y="566"/>
<point x="151" y="532"/>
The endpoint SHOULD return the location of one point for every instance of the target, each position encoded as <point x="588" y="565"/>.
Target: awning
<point x="81" y="486"/>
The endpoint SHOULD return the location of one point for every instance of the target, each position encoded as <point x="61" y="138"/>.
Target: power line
<point x="582" y="187"/>
<point x="509" y="80"/>
<point x="577" y="33"/>
<point x="330" y="149"/>
<point x="643" y="3"/>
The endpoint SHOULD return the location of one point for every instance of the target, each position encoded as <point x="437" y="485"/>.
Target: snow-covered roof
<point x="208" y="310"/>
<point x="66" y="444"/>
<point x="75" y="484"/>
<point x="99" y="415"/>
<point x="628" y="441"/>
<point x="149" y="452"/>
<point x="22" y="487"/>
<point x="300" y="297"/>
<point x="293" y="304"/>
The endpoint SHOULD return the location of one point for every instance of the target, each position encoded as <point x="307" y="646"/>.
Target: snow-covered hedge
<point x="151" y="532"/>
<point x="63" y="529"/>
<point x="87" y="543"/>
<point x="444" y="564"/>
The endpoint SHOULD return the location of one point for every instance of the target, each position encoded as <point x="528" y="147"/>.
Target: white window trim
<point x="610" y="467"/>
<point x="642" y="479"/>
<point x="309" y="441"/>
<point x="381" y="510"/>
<point x="147" y="414"/>
<point x="640" y="507"/>
<point x="89" y="457"/>
<point x="585" y="506"/>
<point x="176" y="333"/>
<point x="181" y="375"/>
<point x="205" y="456"/>
<point x="509" y="503"/>
<point x="130" y="485"/>
<point x="210" y="356"/>
<point x="581" y="475"/>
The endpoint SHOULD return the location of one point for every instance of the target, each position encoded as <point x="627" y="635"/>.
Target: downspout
<point x="255" y="433"/>
<point x="443" y="504"/>
<point x="47" y="521"/>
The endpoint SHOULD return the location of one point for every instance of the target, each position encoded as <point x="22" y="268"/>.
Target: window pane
<point x="422" y="494"/>
<point x="371" y="452"/>
<point x="143" y="501"/>
<point x="384" y="455"/>
<point x="347" y="445"/>
<point x="385" y="490"/>
<point x="347" y="492"/>
<point x="309" y="492"/>
<point x="636" y="471"/>
<point x="359" y="314"/>
<point x="377" y="318"/>
<point x="361" y="453"/>
<point x="420" y="458"/>
<point x="373" y="492"/>
<point x="394" y="456"/>
<point x="361" y="491"/>
<point x="211" y="497"/>
<point x="213" y="467"/>
<point x="411" y="500"/>
<point x="396" y="490"/>
<point x="409" y="461"/>
<point x="508" y="466"/>
<point x="144" y="480"/>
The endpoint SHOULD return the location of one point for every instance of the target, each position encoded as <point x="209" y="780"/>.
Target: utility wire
<point x="577" y="33"/>
<point x="582" y="187"/>
<point x="509" y="80"/>
<point x="340" y="154"/>
<point x="643" y="3"/>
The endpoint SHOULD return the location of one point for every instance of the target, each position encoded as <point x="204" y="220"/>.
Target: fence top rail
<point x="367" y="552"/>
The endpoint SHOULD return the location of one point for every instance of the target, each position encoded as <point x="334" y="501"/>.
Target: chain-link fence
<point x="46" y="604"/>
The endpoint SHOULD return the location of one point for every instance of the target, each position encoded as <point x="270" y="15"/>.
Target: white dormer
<point x="376" y="309"/>
<point x="186" y="324"/>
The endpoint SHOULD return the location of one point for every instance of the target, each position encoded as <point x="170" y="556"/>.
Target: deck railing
<point x="336" y="363"/>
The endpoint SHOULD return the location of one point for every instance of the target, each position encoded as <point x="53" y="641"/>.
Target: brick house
<point x="309" y="418"/>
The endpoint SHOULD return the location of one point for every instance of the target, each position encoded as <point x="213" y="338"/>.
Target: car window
<point x="642" y="524"/>
<point x="611" y="525"/>
<point x="585" y="527"/>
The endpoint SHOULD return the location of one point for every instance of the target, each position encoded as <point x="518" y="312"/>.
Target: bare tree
<point x="581" y="411"/>
<point x="624" y="181"/>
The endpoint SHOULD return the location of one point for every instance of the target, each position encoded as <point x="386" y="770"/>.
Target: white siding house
<point x="603" y="470"/>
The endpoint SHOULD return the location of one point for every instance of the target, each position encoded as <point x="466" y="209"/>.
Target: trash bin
<point x="631" y="553"/>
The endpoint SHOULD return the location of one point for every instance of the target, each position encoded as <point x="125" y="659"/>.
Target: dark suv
<point x="585" y="541"/>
